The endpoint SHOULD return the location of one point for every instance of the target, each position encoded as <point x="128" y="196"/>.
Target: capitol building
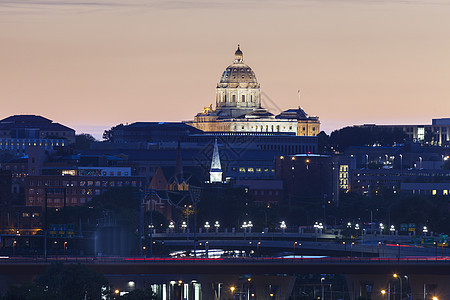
<point x="238" y="108"/>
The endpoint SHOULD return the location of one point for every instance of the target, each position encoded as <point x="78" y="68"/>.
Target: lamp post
<point x="401" y="287"/>
<point x="257" y="248"/>
<point x="323" y="290"/>
<point x="65" y="246"/>
<point x="401" y="162"/>
<point x="378" y="248"/>
<point x="351" y="249"/>
<point x="171" y="226"/>
<point x="283" y="226"/>
<point x="425" y="230"/>
<point x="392" y="229"/>
<point x="184" y="226"/>
<point x="244" y="226"/>
<point x="249" y="226"/>
<point x="207" y="226"/>
<point x="217" y="226"/>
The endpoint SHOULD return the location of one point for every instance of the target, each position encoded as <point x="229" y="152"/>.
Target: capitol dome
<point x="238" y="74"/>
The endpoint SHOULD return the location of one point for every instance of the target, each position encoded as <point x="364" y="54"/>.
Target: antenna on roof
<point x="299" y="101"/>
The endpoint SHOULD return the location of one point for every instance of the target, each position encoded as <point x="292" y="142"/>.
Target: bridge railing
<point x="229" y="260"/>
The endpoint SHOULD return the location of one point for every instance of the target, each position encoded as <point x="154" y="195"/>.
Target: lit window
<point x="433" y="192"/>
<point x="445" y="192"/>
<point x="251" y="170"/>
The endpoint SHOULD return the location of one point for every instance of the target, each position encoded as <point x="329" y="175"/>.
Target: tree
<point x="365" y="135"/>
<point x="108" y="135"/>
<point x="63" y="281"/>
<point x="84" y="141"/>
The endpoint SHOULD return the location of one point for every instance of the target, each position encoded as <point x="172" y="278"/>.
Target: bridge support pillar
<point x="368" y="286"/>
<point x="425" y="287"/>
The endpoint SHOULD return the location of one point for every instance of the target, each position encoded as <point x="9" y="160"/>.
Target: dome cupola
<point x="238" y="56"/>
<point x="238" y="91"/>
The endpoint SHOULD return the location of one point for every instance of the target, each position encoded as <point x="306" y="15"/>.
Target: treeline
<point x="341" y="139"/>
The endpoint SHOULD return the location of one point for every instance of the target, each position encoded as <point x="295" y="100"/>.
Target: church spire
<point x="179" y="164"/>
<point x="215" y="174"/>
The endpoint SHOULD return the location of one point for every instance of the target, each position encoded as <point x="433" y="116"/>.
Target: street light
<point x="351" y="249"/>
<point x="283" y="226"/>
<point x="65" y="245"/>
<point x="318" y="226"/>
<point x="392" y="229"/>
<point x="323" y="290"/>
<point x="401" y="287"/>
<point x="184" y="226"/>
<point x="249" y="225"/>
<point x="171" y="225"/>
<point x="232" y="289"/>
<point x="425" y="230"/>
<point x="381" y="228"/>
<point x="217" y="225"/>
<point x="207" y="226"/>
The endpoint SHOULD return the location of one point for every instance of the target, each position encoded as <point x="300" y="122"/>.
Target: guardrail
<point x="228" y="260"/>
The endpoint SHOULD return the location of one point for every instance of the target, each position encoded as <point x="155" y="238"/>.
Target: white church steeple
<point x="215" y="174"/>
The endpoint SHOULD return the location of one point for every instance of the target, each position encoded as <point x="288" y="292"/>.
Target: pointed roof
<point x="215" y="162"/>
<point x="159" y="181"/>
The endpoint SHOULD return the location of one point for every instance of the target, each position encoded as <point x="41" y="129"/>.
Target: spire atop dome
<point x="238" y="55"/>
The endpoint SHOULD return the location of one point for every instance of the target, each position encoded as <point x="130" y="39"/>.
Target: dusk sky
<point x="92" y="64"/>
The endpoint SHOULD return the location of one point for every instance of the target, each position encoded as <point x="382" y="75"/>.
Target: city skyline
<point x="100" y="63"/>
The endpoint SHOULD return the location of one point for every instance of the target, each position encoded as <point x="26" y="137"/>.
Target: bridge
<point x="218" y="275"/>
<point x="302" y="243"/>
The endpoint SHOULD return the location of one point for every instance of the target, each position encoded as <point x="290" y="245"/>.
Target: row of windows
<point x="253" y="170"/>
<point x="290" y="149"/>
<point x="40" y="200"/>
<point x="261" y="193"/>
<point x="233" y="98"/>
<point x="103" y="183"/>
<point x="433" y="192"/>
<point x="9" y="144"/>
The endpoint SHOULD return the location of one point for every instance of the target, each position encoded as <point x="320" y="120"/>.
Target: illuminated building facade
<point x="238" y="108"/>
<point x="20" y="132"/>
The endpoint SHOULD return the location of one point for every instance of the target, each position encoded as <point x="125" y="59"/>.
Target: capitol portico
<point x="238" y="107"/>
